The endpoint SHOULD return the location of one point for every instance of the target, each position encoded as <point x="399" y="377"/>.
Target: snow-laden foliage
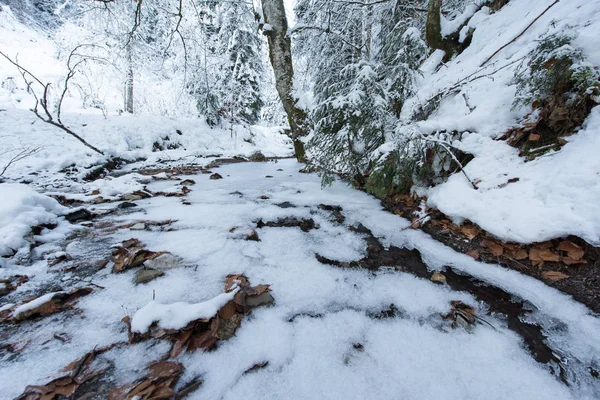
<point x="556" y="68"/>
<point x="362" y="67"/>
<point x="169" y="57"/>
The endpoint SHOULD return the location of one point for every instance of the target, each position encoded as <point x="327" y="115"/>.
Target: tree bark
<point x="433" y="27"/>
<point x="433" y="31"/>
<point x="129" y="82"/>
<point x="280" y="54"/>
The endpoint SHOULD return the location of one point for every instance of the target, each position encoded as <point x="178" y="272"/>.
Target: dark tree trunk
<point x="280" y="54"/>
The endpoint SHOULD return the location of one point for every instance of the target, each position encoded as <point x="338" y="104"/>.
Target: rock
<point x="131" y="197"/>
<point x="268" y="176"/>
<point x="187" y="182"/>
<point x="438" y="278"/>
<point x="140" y="226"/>
<point x="252" y="236"/>
<point x="257" y="156"/>
<point x="285" y="204"/>
<point x="163" y="262"/>
<point x="216" y="176"/>
<point x="146" y="275"/>
<point x="137" y="195"/>
<point x="80" y="215"/>
<point x="261" y="300"/>
<point x="126" y="204"/>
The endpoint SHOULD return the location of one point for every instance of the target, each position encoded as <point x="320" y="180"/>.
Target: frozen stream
<point x="328" y="336"/>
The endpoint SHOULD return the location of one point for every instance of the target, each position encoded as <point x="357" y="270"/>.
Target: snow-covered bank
<point x="553" y="196"/>
<point x="130" y="137"/>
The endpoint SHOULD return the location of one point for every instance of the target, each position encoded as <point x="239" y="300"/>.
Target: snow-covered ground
<point x="556" y="195"/>
<point x="310" y="336"/>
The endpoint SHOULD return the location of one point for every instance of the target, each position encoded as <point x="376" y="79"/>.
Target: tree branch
<point x="520" y="34"/>
<point x="43" y="102"/>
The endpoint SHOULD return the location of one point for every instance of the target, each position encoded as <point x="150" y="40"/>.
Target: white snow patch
<point x="177" y="315"/>
<point x="21" y="209"/>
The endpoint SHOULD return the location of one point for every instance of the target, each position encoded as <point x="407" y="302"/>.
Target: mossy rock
<point x="257" y="156"/>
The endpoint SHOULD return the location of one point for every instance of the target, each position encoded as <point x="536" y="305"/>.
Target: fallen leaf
<point x="554" y="275"/>
<point x="537" y="255"/>
<point x="473" y="254"/>
<point x="574" y="251"/>
<point x="438" y="278"/>
<point x="469" y="231"/>
<point x="570" y="261"/>
<point x="496" y="249"/>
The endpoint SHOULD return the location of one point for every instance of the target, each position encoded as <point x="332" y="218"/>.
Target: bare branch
<point x="22" y="153"/>
<point x="43" y="101"/>
<point x="520" y="34"/>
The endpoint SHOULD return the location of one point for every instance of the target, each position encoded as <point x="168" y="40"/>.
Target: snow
<point x="557" y="194"/>
<point x="434" y="361"/>
<point x="21" y="209"/>
<point x="449" y="27"/>
<point x="322" y="313"/>
<point x="177" y="315"/>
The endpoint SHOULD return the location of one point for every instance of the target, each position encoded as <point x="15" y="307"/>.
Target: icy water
<point x="334" y="332"/>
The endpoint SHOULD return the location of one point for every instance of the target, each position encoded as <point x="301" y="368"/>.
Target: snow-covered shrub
<point x="414" y="159"/>
<point x="558" y="82"/>
<point x="401" y="55"/>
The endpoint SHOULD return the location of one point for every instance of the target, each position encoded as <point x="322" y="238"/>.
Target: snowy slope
<point x="557" y="194"/>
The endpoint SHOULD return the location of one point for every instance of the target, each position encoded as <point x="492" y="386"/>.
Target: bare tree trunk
<point x="433" y="27"/>
<point x="129" y="82"/>
<point x="433" y="31"/>
<point x="280" y="54"/>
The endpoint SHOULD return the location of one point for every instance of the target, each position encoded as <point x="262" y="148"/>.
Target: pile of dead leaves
<point x="132" y="253"/>
<point x="158" y="383"/>
<point x="72" y="377"/>
<point x="563" y="251"/>
<point x="204" y="333"/>
<point x="51" y="304"/>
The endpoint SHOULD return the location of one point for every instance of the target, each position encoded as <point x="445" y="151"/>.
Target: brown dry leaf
<point x="534" y="137"/>
<point x="75" y="374"/>
<point x="233" y="280"/>
<point x="204" y="340"/>
<point x="538" y="256"/>
<point x="157" y="384"/>
<point x="496" y="249"/>
<point x="60" y="301"/>
<point x="180" y="342"/>
<point x="473" y="254"/>
<point x="574" y="251"/>
<point x="554" y="275"/>
<point x="132" y="254"/>
<point x="462" y="315"/>
<point x="570" y="261"/>
<point x="545" y="245"/>
<point x="469" y="231"/>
